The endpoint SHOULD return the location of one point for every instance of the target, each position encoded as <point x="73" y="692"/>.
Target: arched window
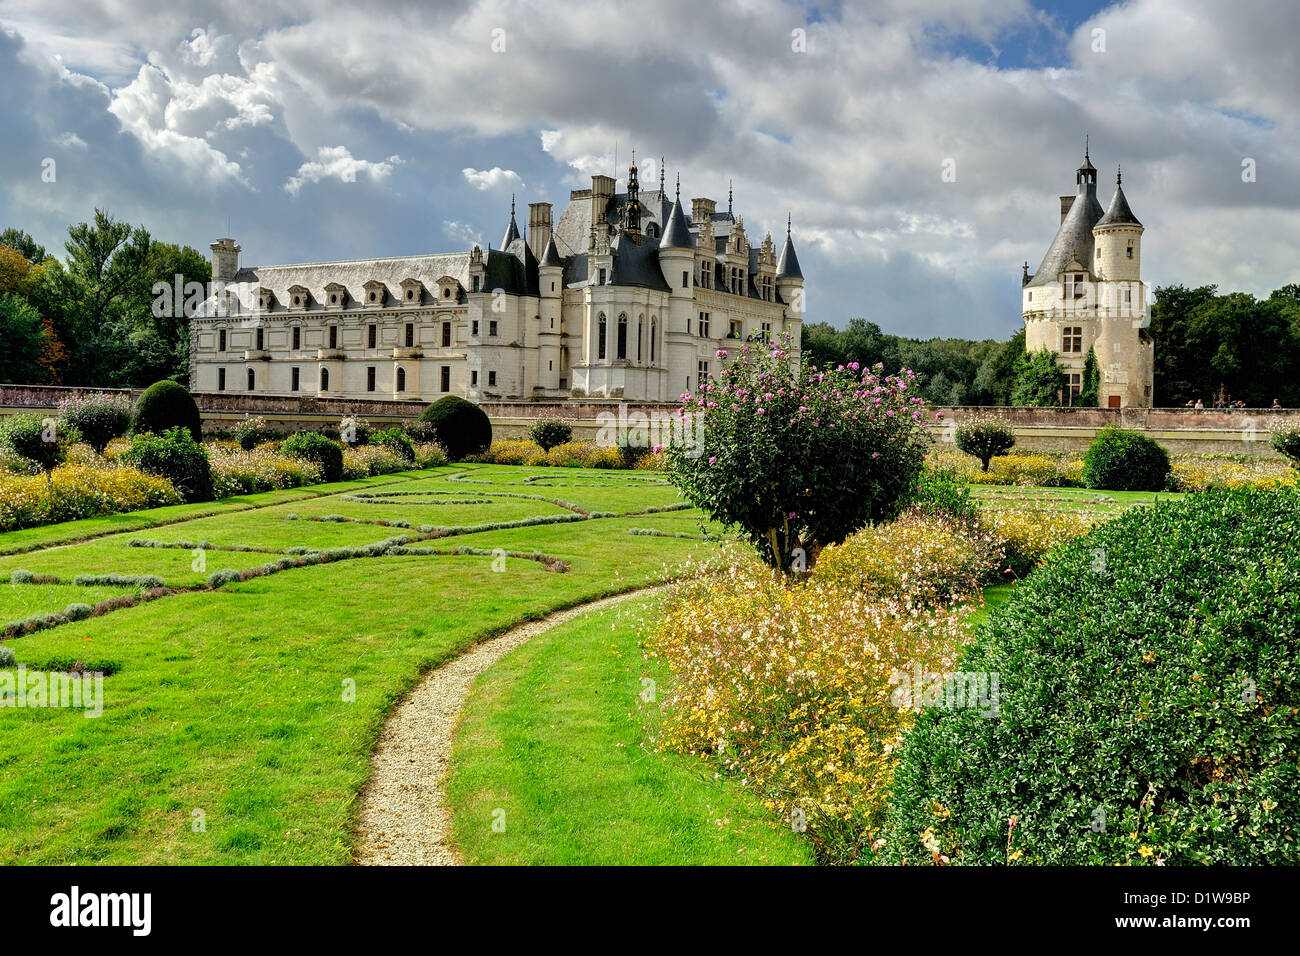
<point x="251" y="379"/>
<point x="324" y="380"/>
<point x="622" y="336"/>
<point x="653" y="326"/>
<point x="401" y="379"/>
<point x="600" y="337"/>
<point x="640" y="334"/>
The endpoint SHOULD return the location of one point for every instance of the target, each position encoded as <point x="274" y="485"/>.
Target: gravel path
<point x="404" y="819"/>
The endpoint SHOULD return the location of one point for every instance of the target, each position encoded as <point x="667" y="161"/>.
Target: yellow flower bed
<point x="79" y="491"/>
<point x="239" y="472"/>
<point x="1026" y="537"/>
<point x="573" y="454"/>
<point x="1191" y="474"/>
<point x="365" y="461"/>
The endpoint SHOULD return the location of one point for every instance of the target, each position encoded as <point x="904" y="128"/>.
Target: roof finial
<point x="1085" y="146"/>
<point x="1119" y="177"/>
<point x="728" y="195"/>
<point x="679" y="187"/>
<point x="512" y="205"/>
<point x="788" y="220"/>
<point x="661" y="175"/>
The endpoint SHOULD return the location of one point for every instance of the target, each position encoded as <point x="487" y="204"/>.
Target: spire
<point x="661" y="175"/>
<point x="632" y="211"/>
<point x="677" y="234"/>
<point x="551" y="257"/>
<point x="679" y="187"/>
<point x="787" y="267"/>
<point x="728" y="197"/>
<point x="512" y="231"/>
<point x="1118" y="212"/>
<point x="1086" y="175"/>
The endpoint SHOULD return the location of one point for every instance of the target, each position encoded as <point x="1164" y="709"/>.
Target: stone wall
<point x="1180" y="430"/>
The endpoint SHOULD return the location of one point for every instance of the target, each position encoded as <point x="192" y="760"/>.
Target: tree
<point x="17" y="239"/>
<point x="1090" y="389"/>
<point x="1039" y="379"/>
<point x="985" y="437"/>
<point x="24" y="337"/>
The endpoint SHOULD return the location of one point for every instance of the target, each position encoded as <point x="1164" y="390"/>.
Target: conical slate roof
<point x="787" y="267"/>
<point x="512" y="233"/>
<point x="1073" y="240"/>
<point x="551" y="255"/>
<point x="677" y="234"/>
<point x="1119" y="213"/>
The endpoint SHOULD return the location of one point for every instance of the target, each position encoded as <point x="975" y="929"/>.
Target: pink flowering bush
<point x="798" y="458"/>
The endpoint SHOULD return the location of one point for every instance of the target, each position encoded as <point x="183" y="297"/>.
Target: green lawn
<point x="228" y="706"/>
<point x="1105" y="504"/>
<point x="556" y="736"/>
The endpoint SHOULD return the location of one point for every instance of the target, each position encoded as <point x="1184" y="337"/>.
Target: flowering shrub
<point x="239" y="472"/>
<point x="1285" y="440"/>
<point x="79" y="491"/>
<point x="787" y="683"/>
<point x="1025" y="470"/>
<point x="512" y="451"/>
<point x="251" y="432"/>
<point x="985" y="437"/>
<point x="365" y="461"/>
<point x="1026" y="537"/>
<point x="429" y="454"/>
<point x="1204" y="474"/>
<point x="36" y="438"/>
<point x="797" y="459"/>
<point x="931" y="559"/>
<point x="98" y="418"/>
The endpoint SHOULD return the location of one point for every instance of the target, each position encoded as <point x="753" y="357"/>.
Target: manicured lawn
<point x="236" y="702"/>
<point x="556" y="736"/>
<point x="1106" y="504"/>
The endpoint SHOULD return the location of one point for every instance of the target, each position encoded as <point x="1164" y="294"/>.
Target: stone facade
<point x="1088" y="294"/>
<point x="623" y="297"/>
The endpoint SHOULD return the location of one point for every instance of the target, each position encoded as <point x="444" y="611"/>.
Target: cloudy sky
<point x="327" y="130"/>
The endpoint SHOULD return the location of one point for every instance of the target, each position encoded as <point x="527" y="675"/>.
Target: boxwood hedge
<point x="1149" y="680"/>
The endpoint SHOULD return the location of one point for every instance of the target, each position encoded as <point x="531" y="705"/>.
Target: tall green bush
<point x="1123" y="460"/>
<point x="36" y="438"/>
<point x="463" y="428"/>
<point x="176" y="456"/>
<point x="549" y="434"/>
<point x="310" y="446"/>
<point x="1148" y="676"/>
<point x="165" y="405"/>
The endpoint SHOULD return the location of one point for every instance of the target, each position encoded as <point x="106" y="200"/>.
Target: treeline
<point x="88" y="319"/>
<point x="950" y="371"/>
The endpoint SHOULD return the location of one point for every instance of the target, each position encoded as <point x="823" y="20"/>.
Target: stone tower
<point x="1087" y="294"/>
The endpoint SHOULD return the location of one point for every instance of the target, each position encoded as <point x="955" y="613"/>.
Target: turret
<point x="677" y="249"/>
<point x="789" y="277"/>
<point x="512" y="230"/>
<point x="1118" y="238"/>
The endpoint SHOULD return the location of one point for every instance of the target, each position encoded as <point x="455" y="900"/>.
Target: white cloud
<point x="337" y="162"/>
<point x="463" y="233"/>
<point x="494" y="178"/>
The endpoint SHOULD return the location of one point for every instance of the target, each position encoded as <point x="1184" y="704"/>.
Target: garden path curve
<point x="404" y="819"/>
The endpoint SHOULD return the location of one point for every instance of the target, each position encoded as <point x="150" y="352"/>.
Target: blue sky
<point x="322" y="130"/>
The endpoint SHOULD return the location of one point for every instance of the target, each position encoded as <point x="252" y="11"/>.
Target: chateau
<point x="624" y="297"/>
<point x="1088" y="294"/>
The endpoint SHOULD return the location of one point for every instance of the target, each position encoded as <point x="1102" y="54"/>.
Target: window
<point x="702" y="375"/>
<point x="550" y="366"/>
<point x="1076" y="386"/>
<point x="474" y="328"/>
<point x="221" y="340"/>
<point x="686" y="280"/>
<point x="221" y="380"/>
<point x="370" y="378"/>
<point x="640" y="334"/>
<point x="297" y="338"/>
<point x="324" y="380"/>
<point x="1129" y="250"/>
<point x="767" y="330"/>
<point x="446" y="378"/>
<point x="446" y="292"/>
<point x="476" y="283"/>
<point x="492" y="327"/>
<point x="734" y="332"/>
<point x="252" y="379"/>
<point x="401" y="380"/>
<point x="602" y="277"/>
<point x="1072" y="339"/>
<point x="622" y="336"/>
<point x="702" y="327"/>
<point x="410" y="335"/>
<point x="600" y="338"/>
<point x="334" y="336"/>
<point x="261" y="339"/>
<point x="492" y="378"/>
<point x="1128" y="296"/>
<point x="446" y="335"/>
<point x="295" y="379"/>
<point x="1074" y="285"/>
<point x="653" y="324"/>
<point x="473" y="377"/>
<point x="372" y="336"/>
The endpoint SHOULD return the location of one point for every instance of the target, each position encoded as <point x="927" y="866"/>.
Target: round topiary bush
<point x="548" y="434"/>
<point x="462" y="427"/>
<point x="985" y="437"/>
<point x="176" y="456"/>
<point x="98" y="418"/>
<point x="1123" y="460"/>
<point x="165" y="405"/>
<point x="309" y="446"/>
<point x="1145" y="705"/>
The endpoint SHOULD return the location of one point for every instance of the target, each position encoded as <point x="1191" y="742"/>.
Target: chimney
<point x="539" y="227"/>
<point x="1066" y="203"/>
<point x="225" y="260"/>
<point x="702" y="209"/>
<point x="602" y="191"/>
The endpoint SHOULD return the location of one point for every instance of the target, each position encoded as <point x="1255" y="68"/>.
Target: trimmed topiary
<point x="548" y="434"/>
<point x="1124" y="460"/>
<point x="1144" y="712"/>
<point x="985" y="437"/>
<point x="98" y="418"/>
<point x="78" y="612"/>
<point x="177" y="456"/>
<point x="310" y="446"/>
<point x="35" y="437"/>
<point x="463" y="428"/>
<point x="165" y="405"/>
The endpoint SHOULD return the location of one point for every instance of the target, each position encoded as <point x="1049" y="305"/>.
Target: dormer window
<point x="376" y="292"/>
<point x="448" y="289"/>
<point x="265" y="299"/>
<point x="412" y="291"/>
<point x="299" y="297"/>
<point x="336" y="295"/>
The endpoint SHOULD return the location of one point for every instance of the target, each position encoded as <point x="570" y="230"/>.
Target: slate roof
<point x="677" y="234"/>
<point x="1118" y="213"/>
<point x="353" y="274"/>
<point x="788" y="265"/>
<point x="1073" y="239"/>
